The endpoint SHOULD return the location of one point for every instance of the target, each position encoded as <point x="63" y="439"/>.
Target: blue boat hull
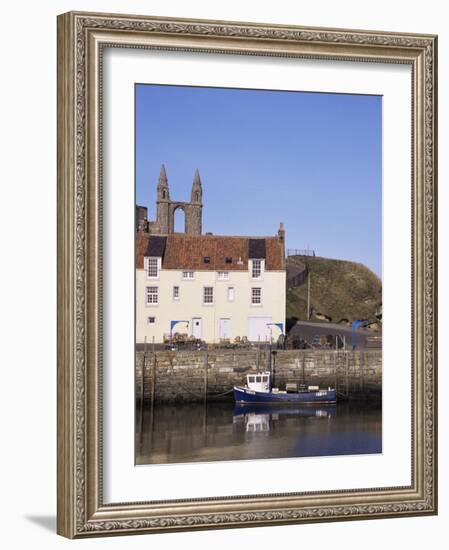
<point x="245" y="395"/>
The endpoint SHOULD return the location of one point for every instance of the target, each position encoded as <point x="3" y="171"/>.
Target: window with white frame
<point x="256" y="296"/>
<point x="152" y="267"/>
<point x="176" y="293"/>
<point x="256" y="269"/>
<point x="152" y="294"/>
<point x="208" y="295"/>
<point x="231" y="294"/>
<point x="187" y="275"/>
<point x="151" y="320"/>
<point x="223" y="275"/>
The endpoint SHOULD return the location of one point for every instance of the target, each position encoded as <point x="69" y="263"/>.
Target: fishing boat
<point x="258" y="389"/>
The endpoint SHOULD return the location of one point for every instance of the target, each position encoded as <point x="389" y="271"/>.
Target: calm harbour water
<point x="224" y="431"/>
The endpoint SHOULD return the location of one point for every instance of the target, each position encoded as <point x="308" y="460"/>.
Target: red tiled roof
<point x="142" y="241"/>
<point x="188" y="252"/>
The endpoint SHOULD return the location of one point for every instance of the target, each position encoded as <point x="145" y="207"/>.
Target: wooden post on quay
<point x="258" y="356"/>
<point x="347" y="375"/>
<point x="142" y="381"/>
<point x="153" y="374"/>
<point x="206" y="361"/>
<point x="362" y="368"/>
<point x="335" y="369"/>
<point x="153" y="388"/>
<point x="153" y="379"/>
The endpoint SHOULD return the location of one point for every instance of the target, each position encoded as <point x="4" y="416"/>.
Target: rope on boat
<point x="220" y="394"/>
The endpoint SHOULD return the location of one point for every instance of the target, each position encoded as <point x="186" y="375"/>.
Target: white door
<point x="197" y="326"/>
<point x="225" y="329"/>
<point x="259" y="329"/>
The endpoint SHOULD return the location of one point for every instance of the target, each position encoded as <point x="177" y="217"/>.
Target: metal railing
<point x="300" y="252"/>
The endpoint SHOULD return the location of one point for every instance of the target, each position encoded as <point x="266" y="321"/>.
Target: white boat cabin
<point x="258" y="382"/>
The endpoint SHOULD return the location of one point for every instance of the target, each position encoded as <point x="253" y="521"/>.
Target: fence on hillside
<point x="297" y="279"/>
<point x="300" y="252"/>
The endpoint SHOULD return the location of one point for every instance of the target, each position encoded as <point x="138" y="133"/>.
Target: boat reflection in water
<point x="260" y="418"/>
<point x="204" y="432"/>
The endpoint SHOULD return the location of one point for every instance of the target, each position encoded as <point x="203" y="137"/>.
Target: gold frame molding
<point x="81" y="37"/>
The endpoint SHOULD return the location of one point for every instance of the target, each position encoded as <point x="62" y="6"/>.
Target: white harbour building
<point x="213" y="288"/>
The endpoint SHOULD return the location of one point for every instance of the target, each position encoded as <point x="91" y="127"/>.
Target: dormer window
<point x="256" y="268"/>
<point x="228" y="260"/>
<point x="207" y="259"/>
<point x="152" y="267"/>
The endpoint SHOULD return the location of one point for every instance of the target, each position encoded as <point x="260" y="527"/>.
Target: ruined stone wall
<point x="190" y="376"/>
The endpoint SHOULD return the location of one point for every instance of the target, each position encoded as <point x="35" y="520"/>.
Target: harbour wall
<point x="194" y="376"/>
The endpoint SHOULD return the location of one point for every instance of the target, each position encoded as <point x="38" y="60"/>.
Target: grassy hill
<point x="338" y="289"/>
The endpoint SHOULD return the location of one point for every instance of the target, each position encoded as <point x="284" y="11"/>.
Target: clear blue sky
<point x="310" y="160"/>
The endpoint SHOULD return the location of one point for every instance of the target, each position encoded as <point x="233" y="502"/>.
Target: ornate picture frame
<point x="82" y="38"/>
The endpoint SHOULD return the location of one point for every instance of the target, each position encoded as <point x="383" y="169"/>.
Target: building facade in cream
<point x="213" y="288"/>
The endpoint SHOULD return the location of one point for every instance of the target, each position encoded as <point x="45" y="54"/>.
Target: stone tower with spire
<point x="163" y="203"/>
<point x="194" y="209"/>
<point x="166" y="208"/>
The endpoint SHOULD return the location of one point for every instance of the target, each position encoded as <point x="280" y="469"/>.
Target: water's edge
<point x="179" y="433"/>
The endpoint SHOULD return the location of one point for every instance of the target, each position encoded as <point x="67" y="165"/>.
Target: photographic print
<point x="258" y="291"/>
